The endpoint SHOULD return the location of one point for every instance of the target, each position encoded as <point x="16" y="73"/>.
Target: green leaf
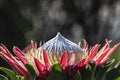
<point x="2" y="77"/>
<point x="57" y="73"/>
<point x="86" y="74"/>
<point x="110" y="62"/>
<point x="118" y="78"/>
<point x="10" y="73"/>
<point x="31" y="71"/>
<point x="114" y="73"/>
<point x="89" y="72"/>
<point x="101" y="70"/>
<point x="116" y="56"/>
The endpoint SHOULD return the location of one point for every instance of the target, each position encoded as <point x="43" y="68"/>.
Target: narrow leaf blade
<point x="10" y="73"/>
<point x="31" y="71"/>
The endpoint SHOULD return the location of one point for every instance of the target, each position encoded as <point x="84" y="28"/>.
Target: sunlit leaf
<point x="22" y="78"/>
<point x="10" y="73"/>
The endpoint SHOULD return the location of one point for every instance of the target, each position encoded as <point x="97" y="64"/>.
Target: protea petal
<point x="2" y="49"/>
<point x="19" y="54"/>
<point x="40" y="67"/>
<point x="81" y="63"/>
<point x="9" y="60"/>
<point x="21" y="70"/>
<point x="64" y="60"/>
<point x="46" y="60"/>
<point x="103" y="61"/>
<point x="72" y="59"/>
<point x="109" y="53"/>
<point x="102" y="56"/>
<point x="93" y="52"/>
<point x="22" y="67"/>
<point x="85" y="45"/>
<point x="6" y="51"/>
<point x="79" y="66"/>
<point x="34" y="44"/>
<point x="106" y="46"/>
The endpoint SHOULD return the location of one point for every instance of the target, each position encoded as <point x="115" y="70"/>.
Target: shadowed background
<point x="25" y="20"/>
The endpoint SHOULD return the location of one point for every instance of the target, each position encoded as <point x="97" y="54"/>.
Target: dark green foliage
<point x="57" y="73"/>
<point x="77" y="76"/>
<point x="9" y="73"/>
<point x="31" y="71"/>
<point x="114" y="74"/>
<point x="2" y="77"/>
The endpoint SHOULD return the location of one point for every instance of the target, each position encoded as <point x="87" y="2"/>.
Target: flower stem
<point x="93" y="73"/>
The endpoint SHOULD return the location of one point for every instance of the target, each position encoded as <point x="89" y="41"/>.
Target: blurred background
<point x="24" y="20"/>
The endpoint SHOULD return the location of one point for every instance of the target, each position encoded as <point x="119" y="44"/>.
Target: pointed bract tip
<point x="58" y="33"/>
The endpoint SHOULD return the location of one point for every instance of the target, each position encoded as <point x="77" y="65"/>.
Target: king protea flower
<point x="42" y="60"/>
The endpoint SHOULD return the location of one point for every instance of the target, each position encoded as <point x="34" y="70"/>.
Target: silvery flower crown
<point x="59" y="44"/>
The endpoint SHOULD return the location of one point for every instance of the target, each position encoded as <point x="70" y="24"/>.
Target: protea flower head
<point x="71" y="57"/>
